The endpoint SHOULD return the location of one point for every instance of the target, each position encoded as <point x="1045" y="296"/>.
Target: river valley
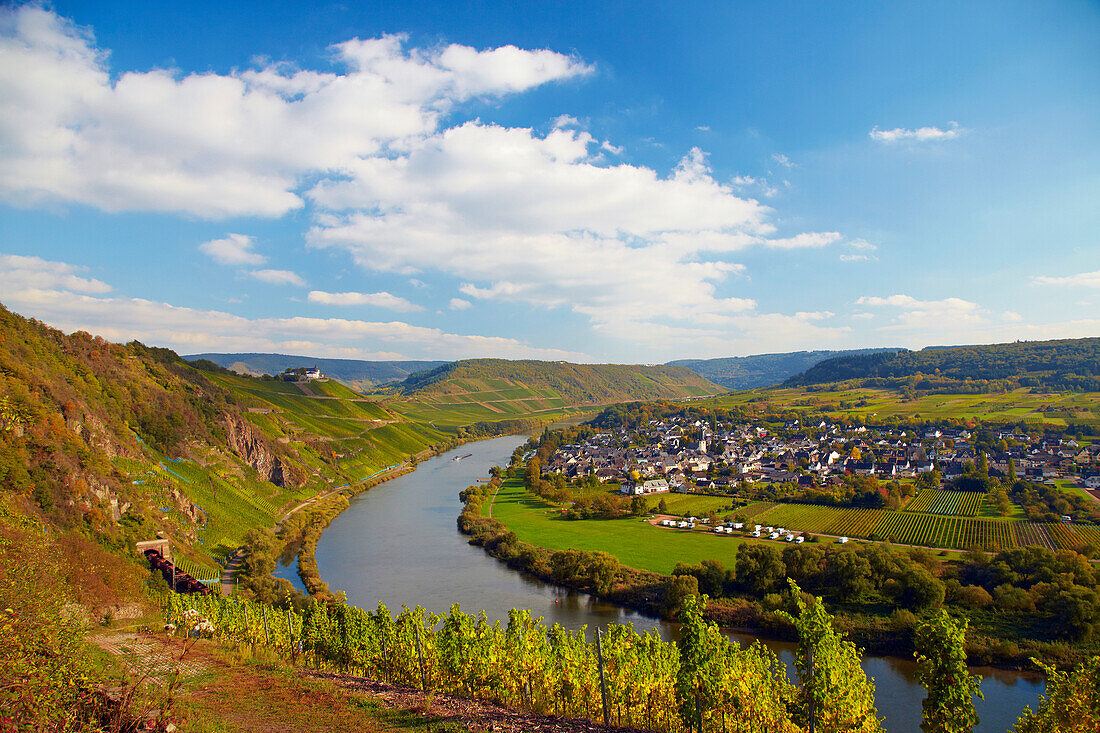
<point x="398" y="544"/>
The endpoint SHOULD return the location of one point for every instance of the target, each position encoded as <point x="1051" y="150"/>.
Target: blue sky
<point x="595" y="182"/>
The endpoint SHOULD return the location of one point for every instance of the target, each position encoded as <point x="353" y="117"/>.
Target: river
<point x="398" y="544"/>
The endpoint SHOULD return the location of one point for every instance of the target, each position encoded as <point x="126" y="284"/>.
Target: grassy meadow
<point x="635" y="542"/>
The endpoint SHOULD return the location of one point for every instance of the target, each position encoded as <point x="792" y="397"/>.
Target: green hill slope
<point x="494" y="390"/>
<point x="125" y="441"/>
<point x="762" y="370"/>
<point x="1069" y="364"/>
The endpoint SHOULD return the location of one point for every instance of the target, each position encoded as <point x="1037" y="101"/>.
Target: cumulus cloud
<point x="234" y="249"/>
<point x="1083" y="280"/>
<point x="516" y="215"/>
<point x="219" y="145"/>
<point x="524" y="217"/>
<point x="17" y="271"/>
<point x="380" y="300"/>
<point x="918" y="135"/>
<point x="278" y="277"/>
<point x="458" y="304"/>
<point x="74" y="304"/>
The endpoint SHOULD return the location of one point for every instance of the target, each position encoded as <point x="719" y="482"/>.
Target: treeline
<point x="1032" y="587"/>
<point x="1063" y="365"/>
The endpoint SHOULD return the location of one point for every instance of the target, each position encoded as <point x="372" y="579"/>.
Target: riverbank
<point x="887" y="633"/>
<point x="301" y="531"/>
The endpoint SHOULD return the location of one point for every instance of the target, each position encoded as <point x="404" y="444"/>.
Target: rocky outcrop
<point x="254" y="449"/>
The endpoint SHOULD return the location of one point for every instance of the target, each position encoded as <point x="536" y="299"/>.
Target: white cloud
<point x="219" y="145"/>
<point x="862" y="316"/>
<point x="703" y="128"/>
<point x="458" y="304"/>
<point x="861" y="245"/>
<point x="517" y="216"/>
<point x="234" y="249"/>
<point x="17" y="271"/>
<point x="278" y="277"/>
<point x="64" y="303"/>
<point x="523" y="217"/>
<point x="783" y="160"/>
<point x="1083" y="280"/>
<point x="928" y="314"/>
<point x="1012" y="317"/>
<point x="918" y="135"/>
<point x="807" y="240"/>
<point x="379" y="300"/>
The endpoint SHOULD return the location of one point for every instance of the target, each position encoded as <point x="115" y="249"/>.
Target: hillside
<point x="124" y="441"/>
<point x="493" y="390"/>
<point x="358" y="373"/>
<point x="762" y="370"/>
<point x="1070" y="364"/>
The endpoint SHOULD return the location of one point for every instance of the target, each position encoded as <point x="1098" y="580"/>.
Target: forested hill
<point x="355" y="371"/>
<point x="762" y="370"/>
<point x="575" y="384"/>
<point x="1069" y="364"/>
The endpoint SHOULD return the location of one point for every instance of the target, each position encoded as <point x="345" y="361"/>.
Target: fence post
<point x="420" y="654"/>
<point x="385" y="661"/>
<point x="267" y="634"/>
<point x="603" y="681"/>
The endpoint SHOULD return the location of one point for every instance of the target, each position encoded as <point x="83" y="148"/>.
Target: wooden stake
<point x="420" y="654"/>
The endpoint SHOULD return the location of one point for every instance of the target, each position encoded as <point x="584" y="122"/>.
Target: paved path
<point x="230" y="569"/>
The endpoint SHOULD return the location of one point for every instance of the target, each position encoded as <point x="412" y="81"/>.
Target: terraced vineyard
<point x="932" y="530"/>
<point x="955" y="503"/>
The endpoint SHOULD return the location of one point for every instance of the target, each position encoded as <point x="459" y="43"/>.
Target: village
<point x="675" y="454"/>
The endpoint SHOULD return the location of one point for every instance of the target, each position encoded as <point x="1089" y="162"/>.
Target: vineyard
<point x="910" y="527"/>
<point x="957" y="503"/>
<point x="525" y="664"/>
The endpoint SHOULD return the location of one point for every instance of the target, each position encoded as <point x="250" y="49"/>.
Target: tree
<point x="759" y="568"/>
<point x="835" y="692"/>
<point x="1071" y="703"/>
<point x="941" y="660"/>
<point x="677" y="589"/>
<point x="662" y="506"/>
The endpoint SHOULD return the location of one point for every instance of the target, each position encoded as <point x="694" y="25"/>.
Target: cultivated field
<point x="1060" y="408"/>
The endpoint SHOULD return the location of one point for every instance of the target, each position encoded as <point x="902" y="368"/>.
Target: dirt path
<point x="469" y="714"/>
<point x="219" y="691"/>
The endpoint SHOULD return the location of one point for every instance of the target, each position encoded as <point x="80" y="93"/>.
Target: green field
<point x="636" y="543"/>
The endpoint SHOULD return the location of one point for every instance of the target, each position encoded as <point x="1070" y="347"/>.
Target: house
<point x="1092" y="482"/>
<point x="313" y="373"/>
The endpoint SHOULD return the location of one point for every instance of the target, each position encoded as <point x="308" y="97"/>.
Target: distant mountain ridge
<point x="356" y="371"/>
<point x="763" y="370"/>
<point x="574" y="383"/>
<point x="1065" y="364"/>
